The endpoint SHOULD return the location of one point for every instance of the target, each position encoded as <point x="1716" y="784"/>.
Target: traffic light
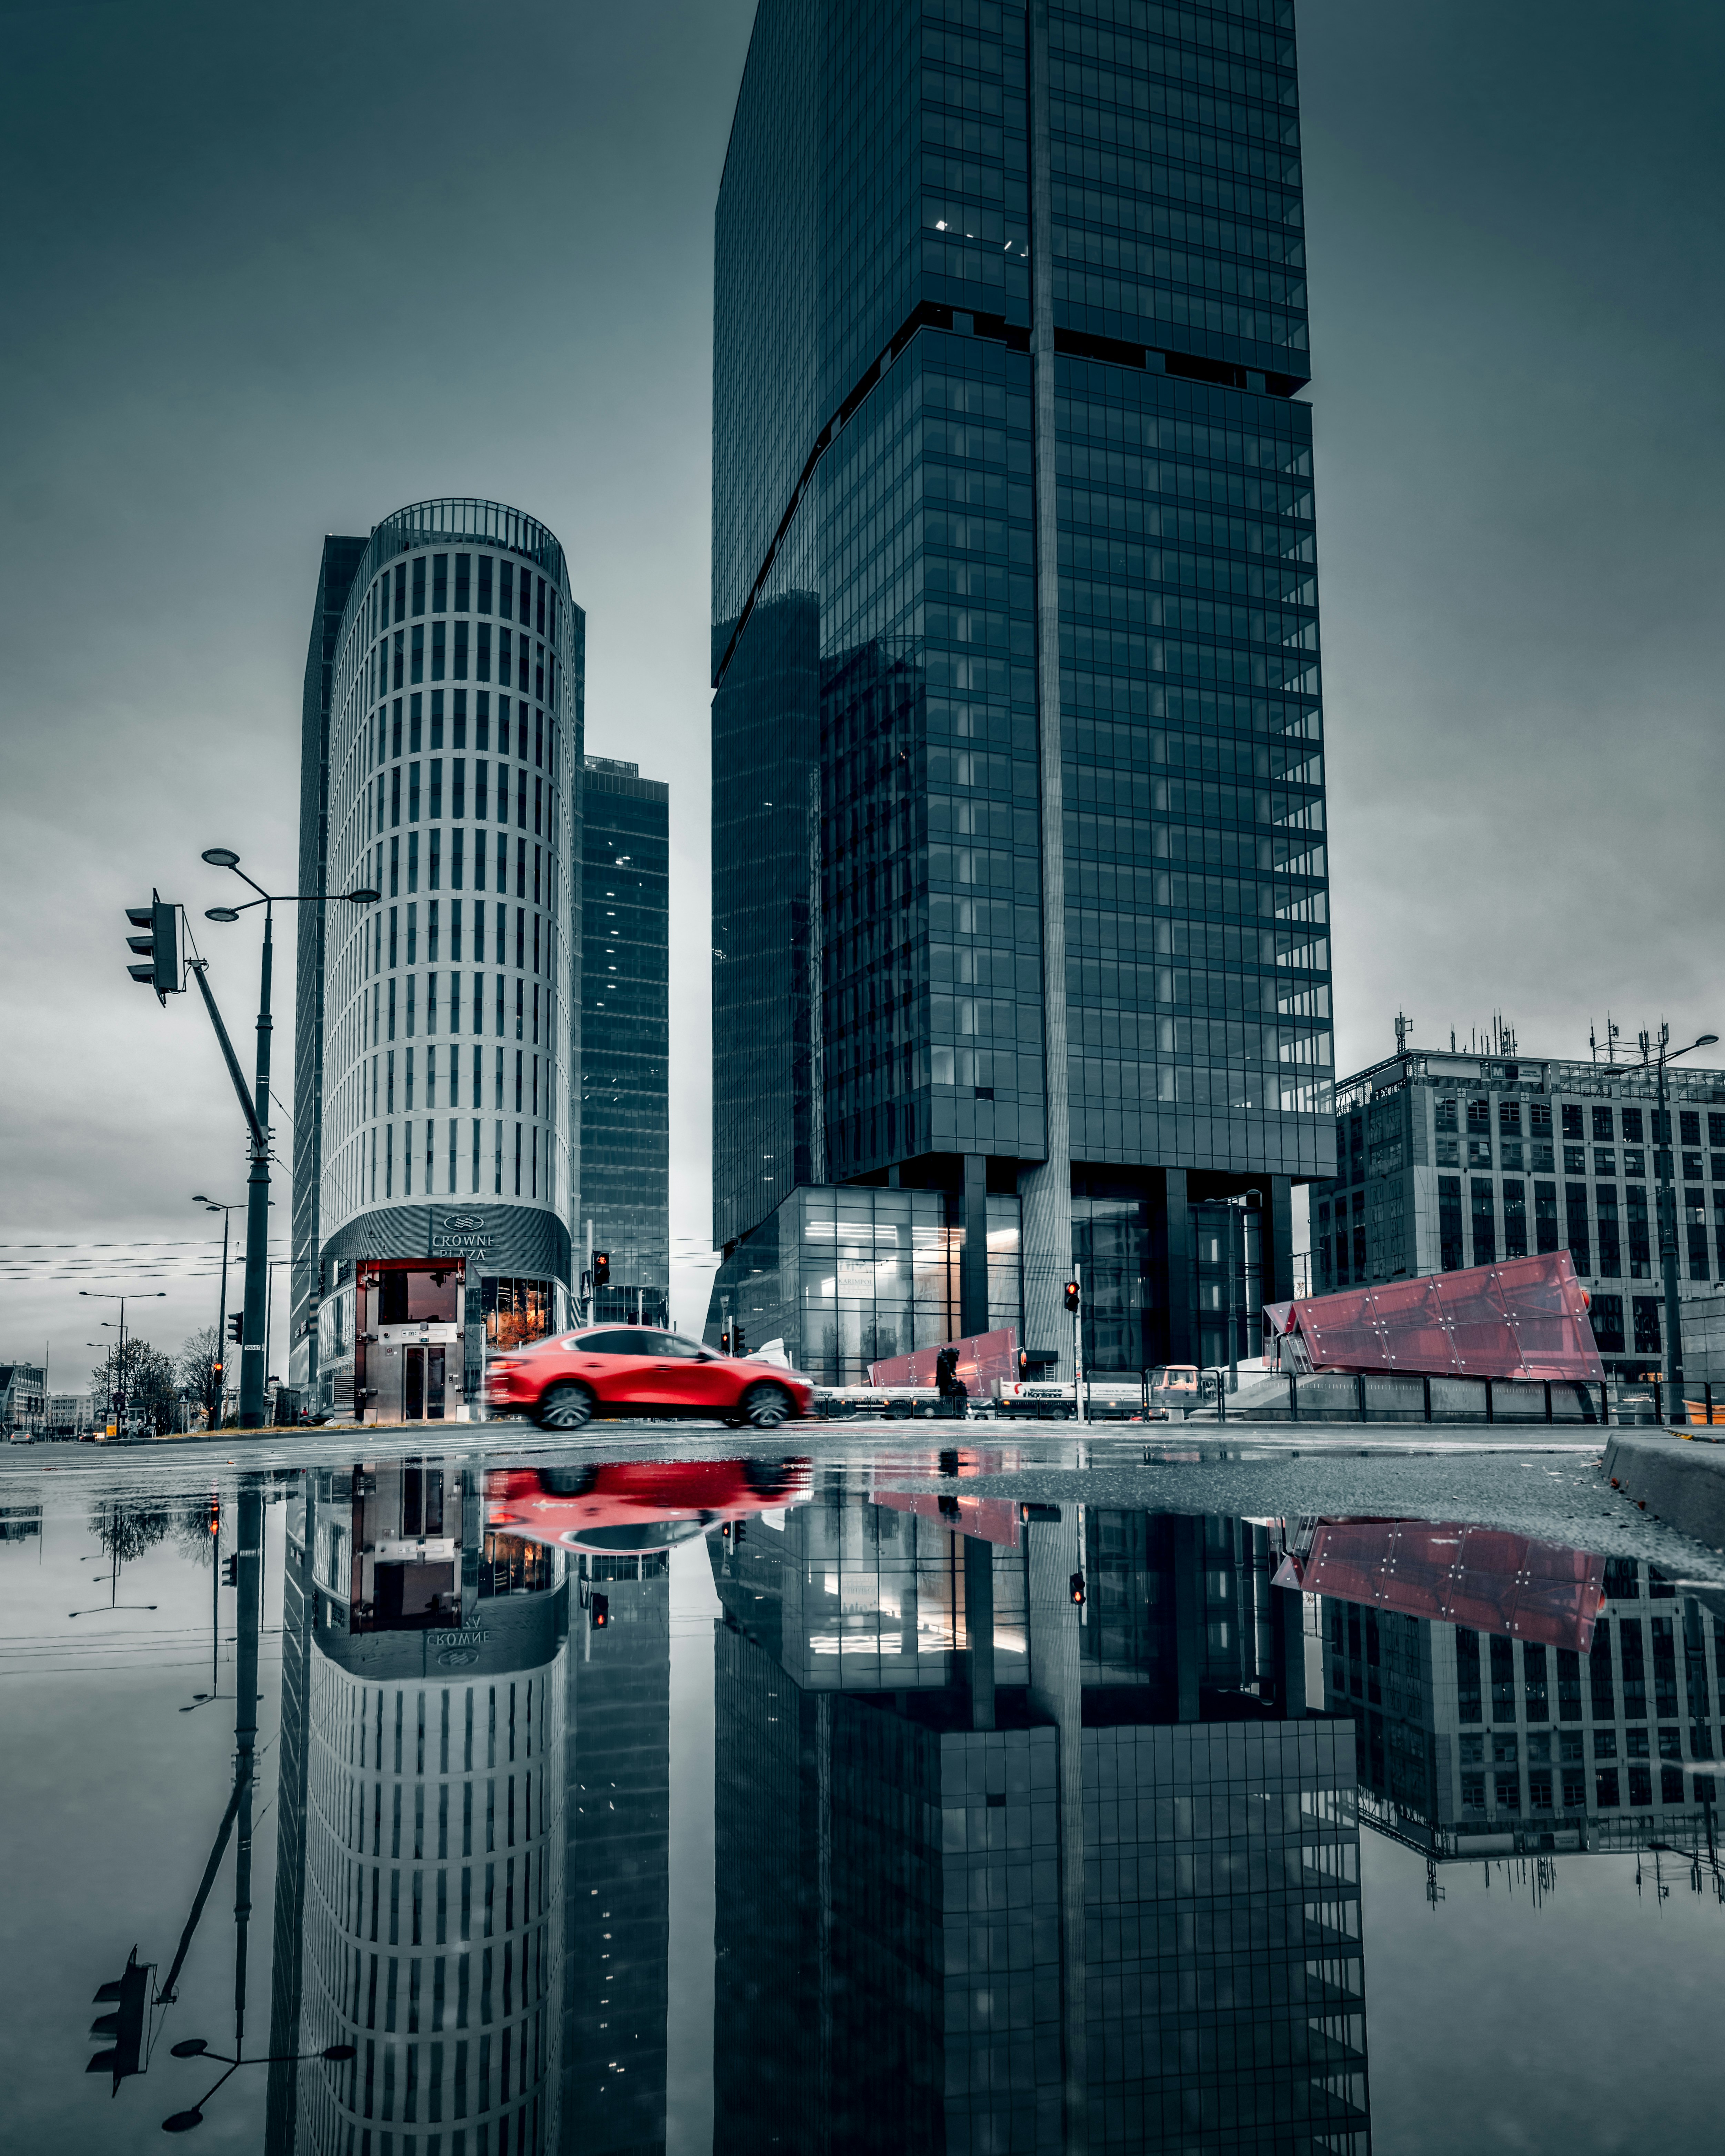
<point x="737" y="1345"/>
<point x="725" y="1341"/>
<point x="158" y="947"/>
<point x="601" y="1269"/>
<point x="1075" y="1588"/>
<point x="599" y="1608"/>
<point x="215" y="1507"/>
<point x="230" y="1572"/>
<point x="129" y="1995"/>
<point x="1071" y="1294"/>
<point x="236" y="1324"/>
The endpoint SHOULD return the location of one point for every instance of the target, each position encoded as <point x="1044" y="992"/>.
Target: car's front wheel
<point x="766" y="1406"/>
<point x="565" y="1407"/>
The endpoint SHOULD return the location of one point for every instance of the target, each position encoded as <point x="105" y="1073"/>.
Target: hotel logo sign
<point x="462" y="1235"/>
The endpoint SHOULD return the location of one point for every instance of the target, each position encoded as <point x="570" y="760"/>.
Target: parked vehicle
<point x="631" y="1370"/>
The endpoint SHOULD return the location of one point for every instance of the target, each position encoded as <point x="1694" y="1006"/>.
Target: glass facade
<point x="1000" y="1875"/>
<point x="1019" y="852"/>
<point x="439" y="1024"/>
<point x="625" y="1036"/>
<point x="847" y="1277"/>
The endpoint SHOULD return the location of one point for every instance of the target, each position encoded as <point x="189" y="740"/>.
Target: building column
<point x="1276" y="1239"/>
<point x="1045" y="1191"/>
<point x="1053" y="1552"/>
<point x="974" y="1256"/>
<point x="979" y="1628"/>
<point x="1177" y="1244"/>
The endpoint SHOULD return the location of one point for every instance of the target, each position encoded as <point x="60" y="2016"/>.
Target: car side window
<point x="613" y="1344"/>
<point x="672" y="1343"/>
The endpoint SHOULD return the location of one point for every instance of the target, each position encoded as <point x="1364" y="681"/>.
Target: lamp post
<point x="1664" y="1155"/>
<point x="197" y="2047"/>
<point x="215" y="1206"/>
<point x="117" y="1392"/>
<point x="252" y="1345"/>
<point x="1234" y="1209"/>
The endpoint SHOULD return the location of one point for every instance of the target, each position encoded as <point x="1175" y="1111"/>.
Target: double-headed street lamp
<point x="252" y="1373"/>
<point x="1663" y="1156"/>
<point x="116" y="1395"/>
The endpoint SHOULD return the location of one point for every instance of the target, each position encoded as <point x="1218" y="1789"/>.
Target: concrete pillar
<point x="1052" y="1554"/>
<point x="973" y="1258"/>
<point x="979" y="1628"/>
<point x="1177" y="1284"/>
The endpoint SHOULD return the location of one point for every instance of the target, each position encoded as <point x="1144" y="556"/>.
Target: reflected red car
<point x="631" y="1506"/>
<point x="631" y="1370"/>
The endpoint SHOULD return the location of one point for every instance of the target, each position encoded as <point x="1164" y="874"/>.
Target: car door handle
<point x="665" y="1366"/>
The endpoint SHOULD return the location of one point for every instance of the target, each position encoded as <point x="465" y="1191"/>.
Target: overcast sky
<point x="275" y="272"/>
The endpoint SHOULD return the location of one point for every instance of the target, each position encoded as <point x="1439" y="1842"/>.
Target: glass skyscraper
<point x="1019" y="884"/>
<point x="625" y="1036"/>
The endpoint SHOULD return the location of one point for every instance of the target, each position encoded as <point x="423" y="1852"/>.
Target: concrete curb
<point x="1676" y="1479"/>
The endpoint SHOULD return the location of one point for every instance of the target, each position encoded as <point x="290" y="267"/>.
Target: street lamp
<point x="215" y="1206"/>
<point x="1663" y="1155"/>
<point x="1235" y="1208"/>
<point x="252" y="1373"/>
<point x="117" y="1395"/>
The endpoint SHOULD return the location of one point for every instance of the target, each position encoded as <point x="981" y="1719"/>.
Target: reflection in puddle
<point x="1034" y="1827"/>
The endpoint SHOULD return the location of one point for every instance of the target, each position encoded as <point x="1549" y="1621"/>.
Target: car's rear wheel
<point x="766" y="1480"/>
<point x="568" y="1481"/>
<point x="766" y="1406"/>
<point x="565" y="1407"/>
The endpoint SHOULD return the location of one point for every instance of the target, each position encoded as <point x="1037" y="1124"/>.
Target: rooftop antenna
<point x="1452" y="1040"/>
<point x="1403" y="1027"/>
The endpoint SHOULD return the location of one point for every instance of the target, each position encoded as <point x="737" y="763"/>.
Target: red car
<point x="629" y="1507"/>
<point x="628" y="1370"/>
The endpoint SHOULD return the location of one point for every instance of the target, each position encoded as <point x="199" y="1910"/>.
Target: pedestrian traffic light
<point x="599" y="1609"/>
<point x="128" y="2024"/>
<point x="602" y="1268"/>
<point x="1071" y="1294"/>
<point x="236" y="1324"/>
<point x="158" y="947"/>
<point x="1075" y="1588"/>
<point x="230" y="1572"/>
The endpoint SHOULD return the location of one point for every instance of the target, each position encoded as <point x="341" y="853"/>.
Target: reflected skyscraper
<point x="419" y="1888"/>
<point x="1025" y="1838"/>
<point x="616" y="1884"/>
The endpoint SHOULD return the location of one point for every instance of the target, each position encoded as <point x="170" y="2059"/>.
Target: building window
<point x="1640" y="1246"/>
<point x="1479" y="1115"/>
<point x="1509" y="1118"/>
<point x="1574" y="1160"/>
<point x="1632" y="1127"/>
<point x="1602" y="1124"/>
<point x="1450" y="1257"/>
<point x="1545" y="1216"/>
<point x="1515" y="1218"/>
<point x="1646" y="1315"/>
<point x="1607" y="1315"/>
<point x="1443" y="1114"/>
<point x="1485" y="1226"/>
<point x="1572" y="1120"/>
<point x="1610" y="1249"/>
<point x="1576" y="1225"/>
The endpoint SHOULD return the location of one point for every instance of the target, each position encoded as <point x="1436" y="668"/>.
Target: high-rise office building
<point x="438" y="1028"/>
<point x="1019" y="883"/>
<point x="625" y="1036"/>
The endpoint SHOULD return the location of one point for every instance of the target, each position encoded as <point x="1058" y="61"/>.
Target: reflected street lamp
<point x="196" y="2047"/>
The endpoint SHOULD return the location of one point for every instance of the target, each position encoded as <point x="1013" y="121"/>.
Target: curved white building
<point x="438" y="1030"/>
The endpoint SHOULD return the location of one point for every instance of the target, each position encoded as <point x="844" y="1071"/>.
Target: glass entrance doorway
<point x="407" y="1340"/>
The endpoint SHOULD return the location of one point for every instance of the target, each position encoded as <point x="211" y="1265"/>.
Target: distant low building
<point x="24" y="1389"/>
<point x="1444" y="1160"/>
<point x="69" y="1412"/>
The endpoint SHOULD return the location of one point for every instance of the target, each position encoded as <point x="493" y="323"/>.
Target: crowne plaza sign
<point x="461" y="1234"/>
